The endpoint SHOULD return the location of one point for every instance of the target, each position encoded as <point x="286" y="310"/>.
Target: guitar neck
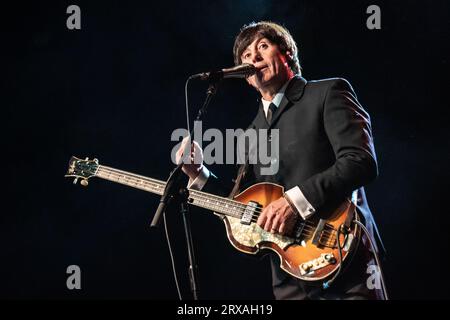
<point x="197" y="198"/>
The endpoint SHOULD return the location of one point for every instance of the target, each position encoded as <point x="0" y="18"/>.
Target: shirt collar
<point x="277" y="98"/>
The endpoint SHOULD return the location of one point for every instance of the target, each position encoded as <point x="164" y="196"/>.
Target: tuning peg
<point x="84" y="182"/>
<point x="75" y="181"/>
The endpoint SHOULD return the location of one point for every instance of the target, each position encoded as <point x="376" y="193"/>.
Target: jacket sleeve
<point x="347" y="126"/>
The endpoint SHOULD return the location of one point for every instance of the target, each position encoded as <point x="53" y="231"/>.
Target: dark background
<point x="114" y="90"/>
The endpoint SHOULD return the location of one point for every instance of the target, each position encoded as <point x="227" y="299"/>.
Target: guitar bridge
<point x="324" y="260"/>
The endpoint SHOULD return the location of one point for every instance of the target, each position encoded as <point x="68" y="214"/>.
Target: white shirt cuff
<point x="296" y="197"/>
<point x="199" y="182"/>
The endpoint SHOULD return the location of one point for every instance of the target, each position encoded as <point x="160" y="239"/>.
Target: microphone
<point x="241" y="71"/>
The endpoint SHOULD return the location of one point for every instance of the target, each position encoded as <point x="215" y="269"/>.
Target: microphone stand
<point x="176" y="192"/>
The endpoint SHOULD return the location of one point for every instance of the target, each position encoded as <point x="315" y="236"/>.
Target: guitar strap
<point x="237" y="182"/>
<point x="351" y="215"/>
<point x="242" y="171"/>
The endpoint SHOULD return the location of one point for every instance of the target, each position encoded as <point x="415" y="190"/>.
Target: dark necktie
<point x="270" y="112"/>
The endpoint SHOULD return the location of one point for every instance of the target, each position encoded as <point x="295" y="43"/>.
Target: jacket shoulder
<point x="326" y="84"/>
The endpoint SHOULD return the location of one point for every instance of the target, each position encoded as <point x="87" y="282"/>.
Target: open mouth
<point x="263" y="68"/>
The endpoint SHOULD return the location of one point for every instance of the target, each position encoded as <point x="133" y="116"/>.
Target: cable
<point x="327" y="284"/>
<point x="376" y="258"/>
<point x="171" y="257"/>
<point x="187" y="103"/>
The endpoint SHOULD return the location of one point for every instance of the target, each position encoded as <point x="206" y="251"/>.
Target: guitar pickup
<point x="318" y="232"/>
<point x="249" y="212"/>
<point x="323" y="235"/>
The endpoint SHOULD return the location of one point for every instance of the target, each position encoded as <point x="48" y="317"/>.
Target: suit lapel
<point x="283" y="104"/>
<point x="293" y="93"/>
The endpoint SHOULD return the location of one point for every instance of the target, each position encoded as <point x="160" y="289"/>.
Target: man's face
<point x="273" y="70"/>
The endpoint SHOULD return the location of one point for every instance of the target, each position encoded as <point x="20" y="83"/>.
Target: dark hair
<point x="275" y="33"/>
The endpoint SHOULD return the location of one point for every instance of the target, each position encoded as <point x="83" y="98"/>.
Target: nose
<point x="256" y="57"/>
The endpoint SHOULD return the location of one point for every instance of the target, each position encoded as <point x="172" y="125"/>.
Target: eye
<point x="263" y="45"/>
<point x="246" y="56"/>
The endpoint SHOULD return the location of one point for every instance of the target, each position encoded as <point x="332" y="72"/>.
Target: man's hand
<point x="278" y="217"/>
<point x="194" y="162"/>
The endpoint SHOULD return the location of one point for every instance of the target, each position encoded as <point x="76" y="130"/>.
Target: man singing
<point x="326" y="153"/>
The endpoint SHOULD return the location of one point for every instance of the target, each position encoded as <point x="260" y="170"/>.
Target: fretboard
<point x="201" y="199"/>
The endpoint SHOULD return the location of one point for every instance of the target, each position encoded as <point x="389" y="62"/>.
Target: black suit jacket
<point x="326" y="145"/>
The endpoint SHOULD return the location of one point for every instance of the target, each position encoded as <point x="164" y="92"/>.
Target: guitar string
<point x="307" y="229"/>
<point x="123" y="175"/>
<point x="159" y="185"/>
<point x="235" y="206"/>
<point x="224" y="202"/>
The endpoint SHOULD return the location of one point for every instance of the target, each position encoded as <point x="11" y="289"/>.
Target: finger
<point x="262" y="219"/>
<point x="264" y="216"/>
<point x="282" y="228"/>
<point x="268" y="224"/>
<point x="186" y="139"/>
<point x="194" y="157"/>
<point x="183" y="143"/>
<point x="275" y="224"/>
<point x="195" y="145"/>
<point x="185" y="150"/>
<point x="179" y="156"/>
<point x="197" y="153"/>
<point x="276" y="218"/>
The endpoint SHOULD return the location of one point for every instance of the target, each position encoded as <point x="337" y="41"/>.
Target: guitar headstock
<point x="83" y="169"/>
